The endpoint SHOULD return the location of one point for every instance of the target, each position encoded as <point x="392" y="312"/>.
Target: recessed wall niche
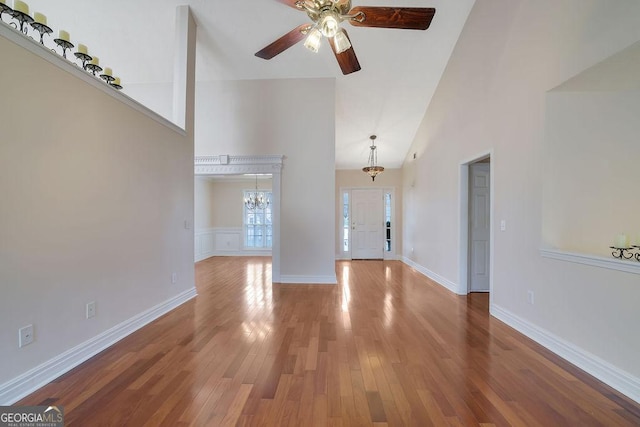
<point x="591" y="152"/>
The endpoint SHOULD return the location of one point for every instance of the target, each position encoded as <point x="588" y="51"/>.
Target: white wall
<point x="204" y="203"/>
<point x="590" y="198"/>
<point x="294" y="118"/>
<point x="94" y="199"/>
<point x="492" y="97"/>
<point x="156" y="96"/>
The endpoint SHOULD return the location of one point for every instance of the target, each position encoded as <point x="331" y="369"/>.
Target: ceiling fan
<point x="327" y="16"/>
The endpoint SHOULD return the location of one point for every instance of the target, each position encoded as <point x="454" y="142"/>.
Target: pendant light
<point x="256" y="200"/>
<point x="372" y="169"/>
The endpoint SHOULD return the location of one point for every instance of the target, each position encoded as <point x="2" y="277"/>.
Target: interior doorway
<point x="476" y="231"/>
<point x="241" y="165"/>
<point x="479" y="225"/>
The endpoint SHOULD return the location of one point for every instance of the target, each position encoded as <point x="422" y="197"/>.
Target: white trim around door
<point x="239" y="165"/>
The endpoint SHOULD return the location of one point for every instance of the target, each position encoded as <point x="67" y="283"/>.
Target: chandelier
<point x="372" y="168"/>
<point x="256" y="200"/>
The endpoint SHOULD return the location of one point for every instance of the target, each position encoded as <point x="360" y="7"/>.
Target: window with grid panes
<point x="258" y="223"/>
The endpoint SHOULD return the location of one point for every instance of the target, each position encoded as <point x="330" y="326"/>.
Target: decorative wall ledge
<point x="45" y="53"/>
<point x="630" y="266"/>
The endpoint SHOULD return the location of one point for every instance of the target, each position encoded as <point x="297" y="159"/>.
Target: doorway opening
<point x="367" y="228"/>
<point x="255" y="230"/>
<point x="476" y="225"/>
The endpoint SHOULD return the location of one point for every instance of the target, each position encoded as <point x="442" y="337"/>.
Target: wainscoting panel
<point x="222" y="241"/>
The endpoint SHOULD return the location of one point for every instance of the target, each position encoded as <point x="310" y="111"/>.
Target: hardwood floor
<point x="384" y="347"/>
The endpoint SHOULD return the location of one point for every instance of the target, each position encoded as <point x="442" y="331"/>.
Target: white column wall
<point x="295" y="118"/>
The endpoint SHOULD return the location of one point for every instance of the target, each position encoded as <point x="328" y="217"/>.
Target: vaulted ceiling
<point x="388" y="97"/>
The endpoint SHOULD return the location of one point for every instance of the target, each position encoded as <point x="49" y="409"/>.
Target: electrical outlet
<point x="25" y="335"/>
<point x="187" y="224"/>
<point x="503" y="225"/>
<point x="91" y="309"/>
<point x="530" y="297"/>
<point x="174" y="278"/>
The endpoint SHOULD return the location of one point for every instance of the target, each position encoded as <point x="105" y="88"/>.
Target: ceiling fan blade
<point x="347" y="60"/>
<point x="284" y="42"/>
<point x="408" y="18"/>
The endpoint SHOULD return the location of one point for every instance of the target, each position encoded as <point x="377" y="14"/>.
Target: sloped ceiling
<point x="400" y="68"/>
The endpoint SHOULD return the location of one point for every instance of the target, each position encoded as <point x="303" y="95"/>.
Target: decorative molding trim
<point x="30" y="381"/>
<point x="222" y="241"/>
<point x="442" y="281"/>
<point x="308" y="280"/>
<point x="622" y="381"/>
<point x="239" y="160"/>
<point x="64" y="64"/>
<point x="225" y="164"/>
<point x="630" y="266"/>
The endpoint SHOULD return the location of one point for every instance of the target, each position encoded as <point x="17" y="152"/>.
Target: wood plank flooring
<point x="385" y="347"/>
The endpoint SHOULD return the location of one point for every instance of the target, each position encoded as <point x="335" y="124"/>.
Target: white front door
<point x="479" y="227"/>
<point x="367" y="224"/>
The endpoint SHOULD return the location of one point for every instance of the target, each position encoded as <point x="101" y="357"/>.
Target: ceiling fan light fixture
<point x="329" y="25"/>
<point x="341" y="42"/>
<point x="313" y="40"/>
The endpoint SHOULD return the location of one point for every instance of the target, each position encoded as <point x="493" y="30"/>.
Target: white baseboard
<point x="243" y="253"/>
<point x="446" y="283"/>
<point x="27" y="383"/>
<point x="309" y="280"/>
<point x="387" y="257"/>
<point x="622" y="381"/>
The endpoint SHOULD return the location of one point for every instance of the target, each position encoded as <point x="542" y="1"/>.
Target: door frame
<point x="463" y="260"/>
<point x="239" y="165"/>
<point x="346" y="255"/>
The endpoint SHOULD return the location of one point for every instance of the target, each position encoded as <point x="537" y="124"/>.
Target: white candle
<point x="116" y="81"/>
<point x="622" y="241"/>
<point x="95" y="60"/>
<point x="21" y="6"/>
<point x="40" y="18"/>
<point x="108" y="72"/>
<point x="637" y="243"/>
<point x="63" y="35"/>
<point x="82" y="49"/>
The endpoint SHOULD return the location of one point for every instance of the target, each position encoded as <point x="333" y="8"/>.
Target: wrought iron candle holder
<point x="42" y="29"/>
<point x="622" y="253"/>
<point x="23" y="19"/>
<point x="107" y="78"/>
<point x="84" y="58"/>
<point x="5" y="9"/>
<point x="65" y="45"/>
<point x="638" y="253"/>
<point x="94" y="68"/>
